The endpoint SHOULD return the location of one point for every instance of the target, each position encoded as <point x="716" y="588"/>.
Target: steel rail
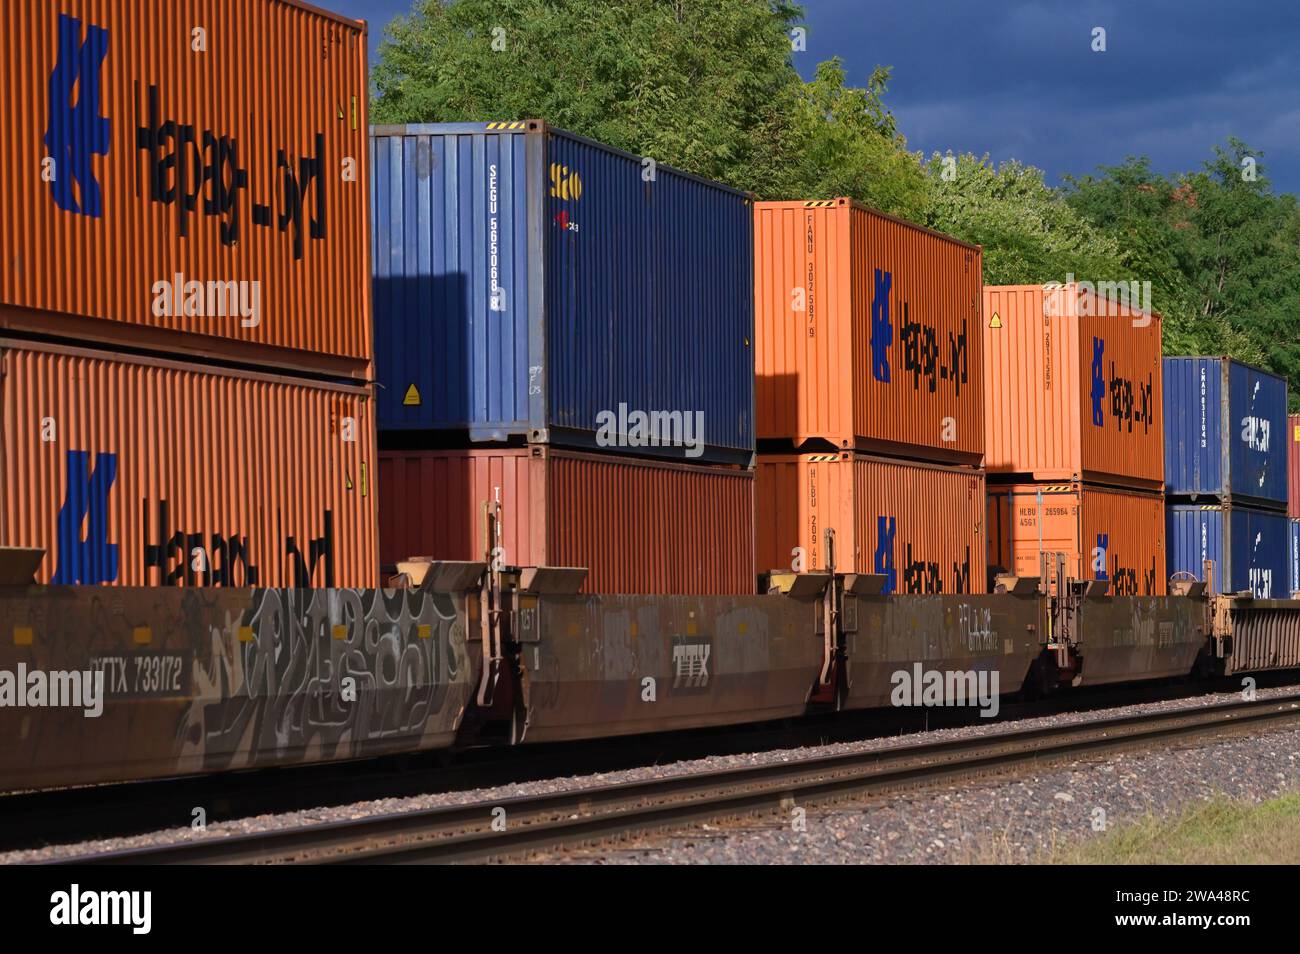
<point x="462" y="833"/>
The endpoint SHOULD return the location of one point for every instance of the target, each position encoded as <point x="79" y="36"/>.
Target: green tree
<point x="1029" y="233"/>
<point x="707" y="87"/>
<point x="844" y="143"/>
<point x="1221" y="250"/>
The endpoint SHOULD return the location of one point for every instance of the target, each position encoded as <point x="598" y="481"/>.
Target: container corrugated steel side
<point x="145" y="473"/>
<point x="1249" y="547"/>
<point x="920" y="525"/>
<point x="1073" y="387"/>
<point x="1223" y="421"/>
<point x="867" y="332"/>
<point x="1293" y="465"/>
<point x="1105" y="533"/>
<point x="124" y="168"/>
<point x="527" y="281"/>
<point x="639" y="526"/>
<point x="1265" y="635"/>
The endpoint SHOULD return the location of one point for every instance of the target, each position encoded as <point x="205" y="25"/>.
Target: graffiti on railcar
<point x="324" y="673"/>
<point x="975" y="624"/>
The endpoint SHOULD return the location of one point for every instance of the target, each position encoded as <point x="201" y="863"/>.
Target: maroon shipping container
<point x="1293" y="465"/>
<point x="638" y="526"/>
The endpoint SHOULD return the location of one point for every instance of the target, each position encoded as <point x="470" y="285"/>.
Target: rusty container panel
<point x="892" y="642"/>
<point x="149" y="473"/>
<point x="201" y="680"/>
<point x="920" y="525"/>
<point x="866" y="333"/>
<point x="1105" y="534"/>
<point x="714" y="660"/>
<point x="639" y="526"/>
<point x="1265" y="634"/>
<point x="135" y="167"/>
<point x="1132" y="638"/>
<point x="1293" y="465"/>
<point x="1073" y="387"/>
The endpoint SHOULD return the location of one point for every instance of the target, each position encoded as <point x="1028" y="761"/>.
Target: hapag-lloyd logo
<point x="194" y="171"/>
<point x="172" y="555"/>
<point x="75" y="133"/>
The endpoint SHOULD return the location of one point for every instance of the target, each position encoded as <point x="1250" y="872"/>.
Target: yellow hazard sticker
<point x="1296" y="434"/>
<point x="412" y="396"/>
<point x="995" y="321"/>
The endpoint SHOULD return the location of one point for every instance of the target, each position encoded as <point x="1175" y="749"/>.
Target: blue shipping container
<point x="1225" y="431"/>
<point x="531" y="283"/>
<point x="1249" y="547"/>
<point x="1294" y="537"/>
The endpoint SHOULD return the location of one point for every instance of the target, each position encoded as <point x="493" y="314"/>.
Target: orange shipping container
<point x="160" y="473"/>
<point x="1110" y="534"/>
<point x="638" y="526"/>
<point x="188" y="175"/>
<point x="866" y="332"/>
<point x="1073" y="387"/>
<point x="921" y="525"/>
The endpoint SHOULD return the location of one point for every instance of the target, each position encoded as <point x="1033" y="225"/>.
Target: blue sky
<point x="1019" y="79"/>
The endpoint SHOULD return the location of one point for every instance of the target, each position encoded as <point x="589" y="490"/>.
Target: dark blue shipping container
<point x="1249" y="547"/>
<point x="531" y="283"/>
<point x="1294" y="537"/>
<point x="1225" y="431"/>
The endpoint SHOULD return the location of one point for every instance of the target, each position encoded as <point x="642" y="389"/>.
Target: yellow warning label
<point x="1296" y="434"/>
<point x="412" y="396"/>
<point x="995" y="321"/>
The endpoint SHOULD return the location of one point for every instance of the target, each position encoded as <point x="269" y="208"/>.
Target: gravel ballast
<point x="1007" y="820"/>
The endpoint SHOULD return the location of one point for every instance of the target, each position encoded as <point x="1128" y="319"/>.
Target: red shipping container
<point x="1293" y="465"/>
<point x="933" y="515"/>
<point x="188" y="176"/>
<point x="145" y="473"/>
<point x="1105" y="533"/>
<point x="638" y="526"/>
<point x="1073" y="387"/>
<point x="866" y="333"/>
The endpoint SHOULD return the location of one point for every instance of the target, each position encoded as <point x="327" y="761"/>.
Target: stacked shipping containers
<point x="185" y="326"/>
<point x="1075" y="461"/>
<point x="564" y="333"/>
<point x="1226" y="474"/>
<point x="870" y="421"/>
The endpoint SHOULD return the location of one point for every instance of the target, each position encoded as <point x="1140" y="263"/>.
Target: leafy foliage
<point x="1221" y="250"/>
<point x="1030" y="235"/>
<point x="707" y="87"/>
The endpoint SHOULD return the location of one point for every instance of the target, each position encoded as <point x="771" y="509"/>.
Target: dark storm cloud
<point x="1019" y="79"/>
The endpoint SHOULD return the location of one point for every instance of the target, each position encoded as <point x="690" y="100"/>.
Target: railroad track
<point x="484" y="831"/>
